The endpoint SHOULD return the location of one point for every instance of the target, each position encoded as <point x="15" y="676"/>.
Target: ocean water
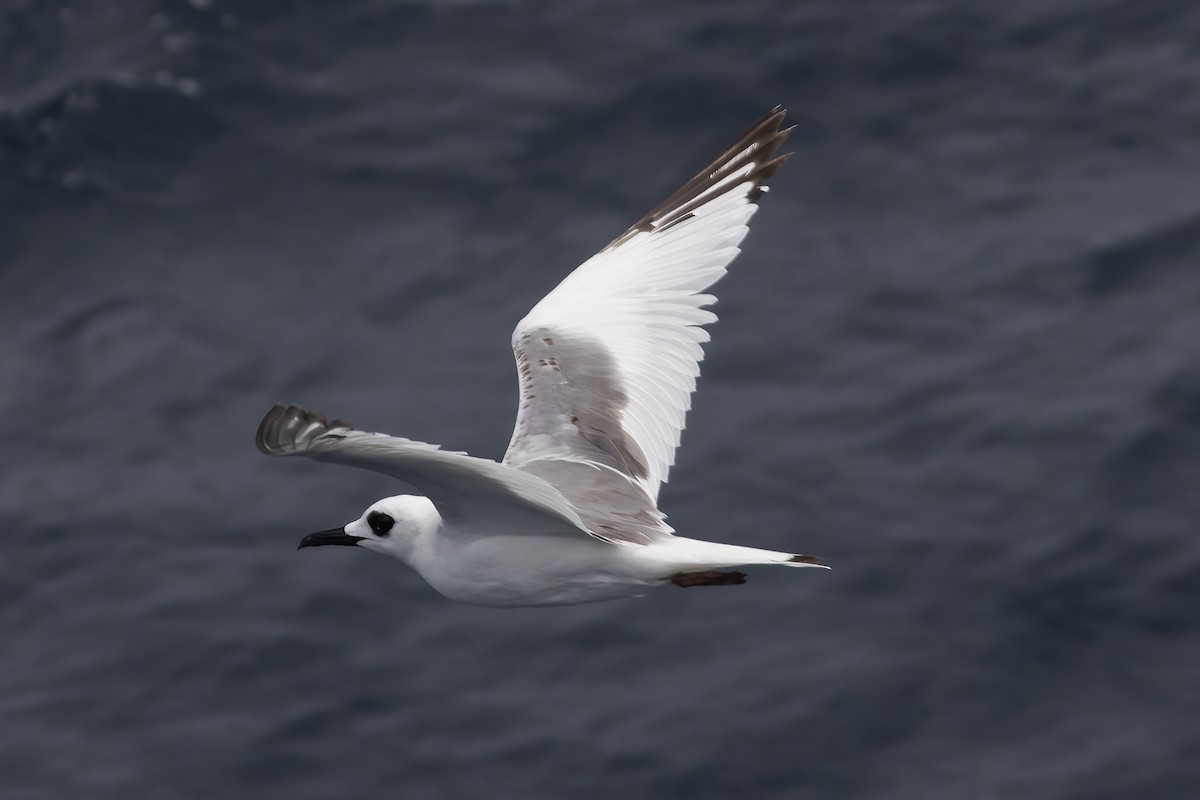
<point x="959" y="358"/>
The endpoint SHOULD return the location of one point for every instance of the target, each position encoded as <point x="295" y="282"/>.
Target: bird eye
<point x="380" y="523"/>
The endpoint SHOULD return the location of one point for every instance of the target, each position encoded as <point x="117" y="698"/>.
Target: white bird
<point x="607" y="363"/>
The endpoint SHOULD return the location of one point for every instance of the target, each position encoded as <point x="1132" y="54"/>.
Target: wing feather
<point x="609" y="359"/>
<point x="458" y="484"/>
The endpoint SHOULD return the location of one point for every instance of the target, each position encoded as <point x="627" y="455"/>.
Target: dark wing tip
<point x="766" y="136"/>
<point x="286" y="430"/>
<point x="268" y="422"/>
<point x="807" y="560"/>
<point x="757" y="146"/>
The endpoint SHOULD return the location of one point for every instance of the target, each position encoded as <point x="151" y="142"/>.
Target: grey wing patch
<point x="571" y="404"/>
<point x="569" y="433"/>
<point x="611" y="505"/>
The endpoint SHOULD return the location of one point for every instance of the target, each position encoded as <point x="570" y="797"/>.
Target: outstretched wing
<point x="609" y="359"/>
<point x="459" y="485"/>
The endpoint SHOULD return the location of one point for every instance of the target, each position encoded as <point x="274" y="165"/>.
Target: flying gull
<point x="607" y="363"/>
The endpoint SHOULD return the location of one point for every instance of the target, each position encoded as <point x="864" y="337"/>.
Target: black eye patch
<point x="381" y="524"/>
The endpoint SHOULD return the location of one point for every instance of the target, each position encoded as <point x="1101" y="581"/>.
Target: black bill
<point x="331" y="536"/>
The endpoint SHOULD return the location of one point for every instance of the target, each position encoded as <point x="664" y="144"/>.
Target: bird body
<point x="524" y="562"/>
<point x="607" y="363"/>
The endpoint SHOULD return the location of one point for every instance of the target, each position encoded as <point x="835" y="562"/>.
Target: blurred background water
<point x="959" y="358"/>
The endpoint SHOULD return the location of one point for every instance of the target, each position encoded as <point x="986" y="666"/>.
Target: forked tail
<point x="697" y="563"/>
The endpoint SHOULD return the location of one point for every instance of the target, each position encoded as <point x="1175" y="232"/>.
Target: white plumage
<point x="607" y="363"/>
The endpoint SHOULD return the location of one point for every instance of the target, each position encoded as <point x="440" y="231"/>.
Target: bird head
<point x="393" y="525"/>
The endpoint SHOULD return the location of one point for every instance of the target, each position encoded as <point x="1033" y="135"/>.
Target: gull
<point x="607" y="363"/>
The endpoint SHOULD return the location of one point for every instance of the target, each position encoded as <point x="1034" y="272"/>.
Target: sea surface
<point x="959" y="358"/>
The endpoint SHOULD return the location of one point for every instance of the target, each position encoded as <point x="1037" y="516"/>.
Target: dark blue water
<point x="959" y="358"/>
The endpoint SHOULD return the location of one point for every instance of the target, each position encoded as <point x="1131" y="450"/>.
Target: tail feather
<point x="695" y="555"/>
